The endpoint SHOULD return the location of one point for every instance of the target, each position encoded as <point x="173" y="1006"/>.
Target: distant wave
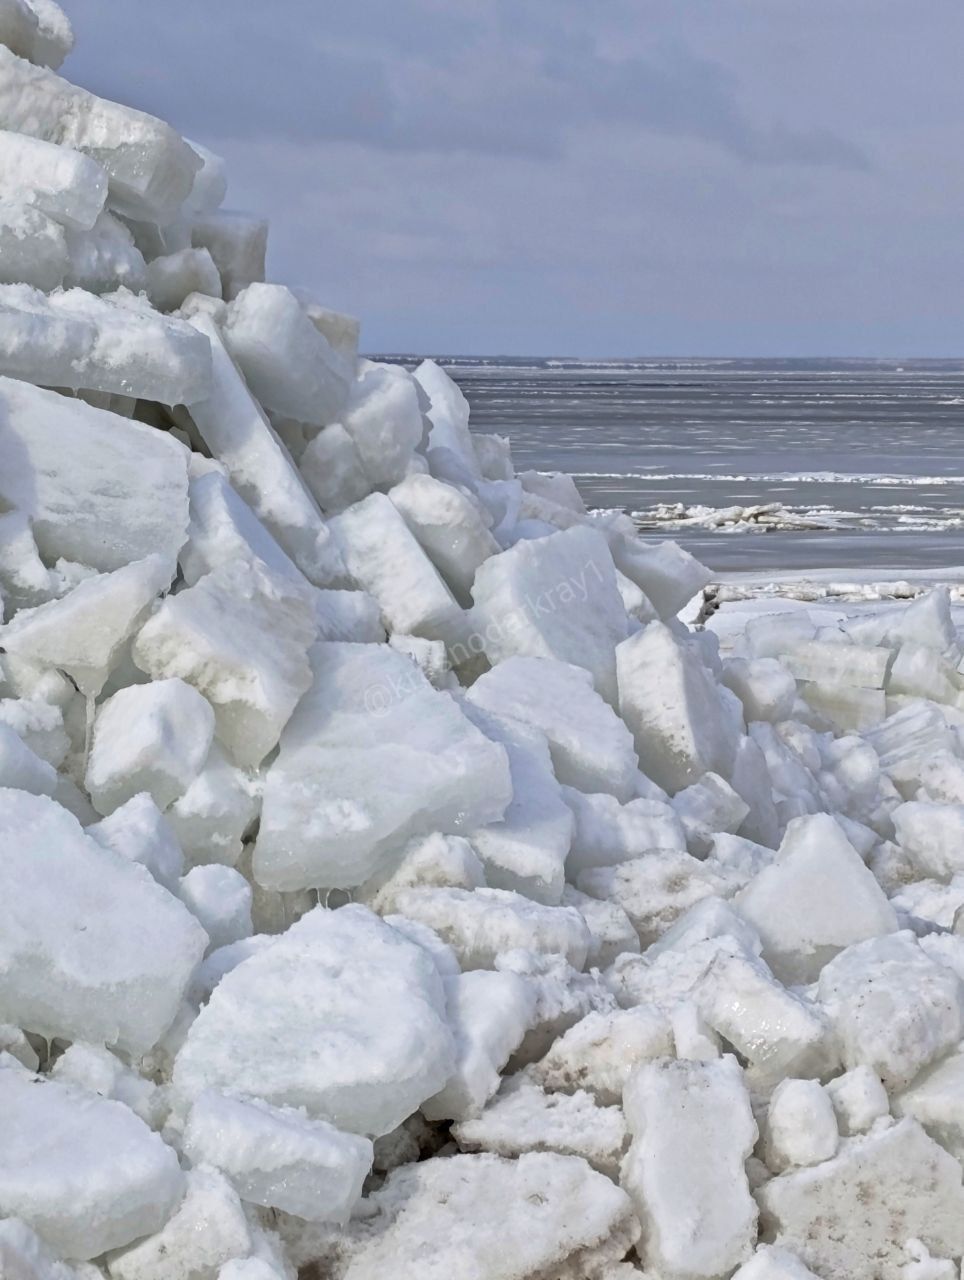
<point x="873" y="479"/>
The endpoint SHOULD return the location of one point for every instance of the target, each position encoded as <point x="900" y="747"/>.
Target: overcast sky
<point x="582" y="177"/>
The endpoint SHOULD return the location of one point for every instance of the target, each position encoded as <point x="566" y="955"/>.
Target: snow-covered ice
<point x="109" y="957"/>
<point x="98" y="1179"/>
<point x="148" y="737"/>
<point x="251" y="673"/>
<point x="372" y="756"/>
<point x="343" y="1016"/>
<point x="487" y="1218"/>
<point x="278" y="1157"/>
<point x="692" y="1130"/>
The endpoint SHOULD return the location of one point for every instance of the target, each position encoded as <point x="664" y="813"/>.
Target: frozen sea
<point x="860" y="461"/>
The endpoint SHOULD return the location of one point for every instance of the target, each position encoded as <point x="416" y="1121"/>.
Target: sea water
<point x="861" y="462"/>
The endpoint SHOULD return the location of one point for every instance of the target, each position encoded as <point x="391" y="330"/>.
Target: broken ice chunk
<point x="372" y="756"/>
<point x="208" y="1229"/>
<point x="350" y="615"/>
<point x="526" y="850"/>
<point x="591" y="748"/>
<point x="932" y="834"/>
<point x="384" y="558"/>
<point x="777" y="1032"/>
<point x="238" y="434"/>
<point x="480" y="924"/>
<point x="80" y="341"/>
<point x="708" y="808"/>
<point x="148" y="737"/>
<point x="682" y="725"/>
<point x="83" y="632"/>
<point x="563" y="996"/>
<point x="835" y="663"/>
<point x="333" y="471"/>
<point x="57" y="452"/>
<point x="936" y="1099"/>
<point x="171" y="277"/>
<point x="751" y="781"/>
<point x="69" y="187"/>
<point x="449" y="526"/>
<point x="814" y="899"/>
<point x="96" y="1069"/>
<point x="942" y="775"/>
<point x="104" y="258"/>
<point x="710" y="918"/>
<point x="342" y="331"/>
<point x="448" y="413"/>
<point x="21" y="769"/>
<point x="607" y="832"/>
<point x="494" y="456"/>
<point x="611" y="931"/>
<point x="24" y="1256"/>
<point x="893" y="1008"/>
<point x="342" y="1016"/>
<point x="254" y="1268"/>
<point x="286" y="361"/>
<point x="383" y="418"/>
<point x="669" y="576"/>
<point x="33" y="248"/>
<point x="858" y="1100"/>
<point x="522" y="1117"/>
<point x="771" y="1263"/>
<point x="99" y="1177"/>
<point x="432" y="861"/>
<point x="539" y="1216"/>
<point x="692" y="1131"/>
<point x="38" y="30"/>
<point x="241" y="636"/>
<point x="237" y="242"/>
<point x="489" y="1014"/>
<point x="919" y="672"/>
<point x="138" y="831"/>
<point x="18" y="27"/>
<point x="278" y="1157"/>
<point x="151" y="170"/>
<point x="220" y="898"/>
<point x="40" y="724"/>
<point x="553" y="597"/>
<point x="24" y="579"/>
<point x="223" y="528"/>
<point x="210" y="182"/>
<point x="212" y="816"/>
<point x="764" y="686"/>
<point x="849" y="1217"/>
<point x="846" y="707"/>
<point x="907" y="738"/>
<point x="109" y="956"/>
<point x="555" y="486"/>
<point x="653" y="889"/>
<point x="601" y="1052"/>
<point x="801" y="1128"/>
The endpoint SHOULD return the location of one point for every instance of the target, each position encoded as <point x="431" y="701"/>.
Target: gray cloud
<point x="556" y="176"/>
<point x="502" y="87"/>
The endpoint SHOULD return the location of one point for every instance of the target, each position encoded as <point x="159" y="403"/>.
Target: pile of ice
<point x="766" y="516"/>
<point x="390" y="884"/>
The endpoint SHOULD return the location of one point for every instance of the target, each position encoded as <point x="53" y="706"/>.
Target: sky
<point x="580" y="177"/>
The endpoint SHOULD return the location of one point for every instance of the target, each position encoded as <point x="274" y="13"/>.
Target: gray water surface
<point x="863" y="460"/>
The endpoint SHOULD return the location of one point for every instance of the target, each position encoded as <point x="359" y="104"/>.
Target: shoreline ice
<point x="404" y="871"/>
